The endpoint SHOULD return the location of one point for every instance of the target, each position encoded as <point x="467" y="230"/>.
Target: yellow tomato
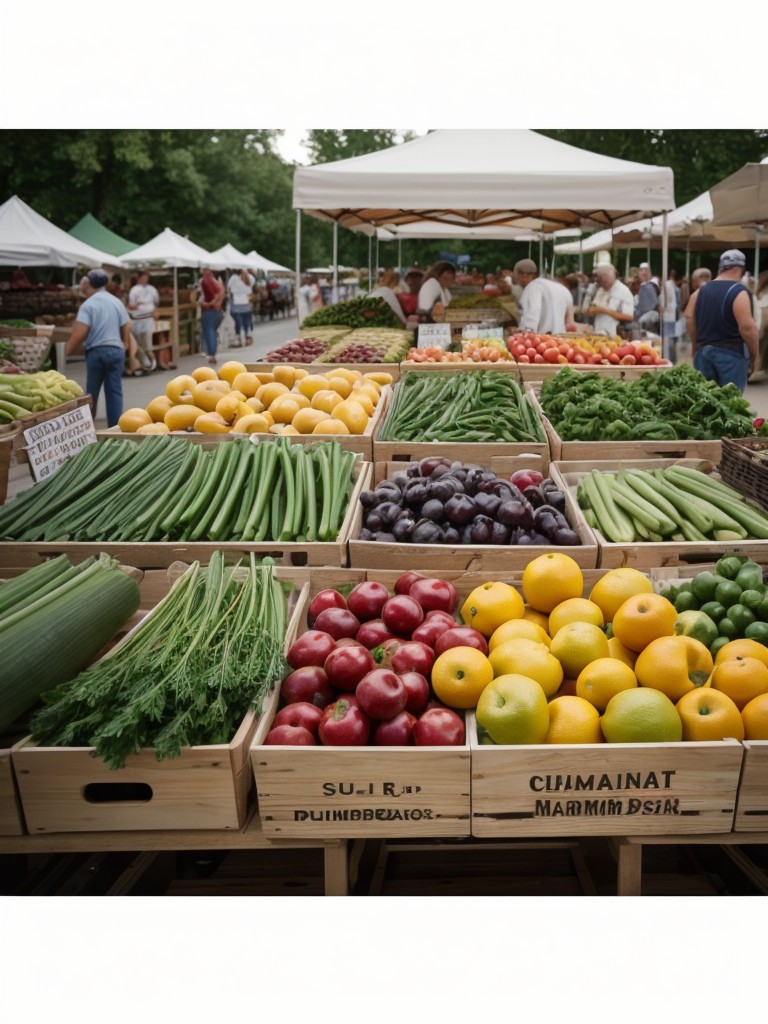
<point x="248" y="383"/>
<point x="231" y="369"/>
<point x="132" y="419"/>
<point x="209" y="393"/>
<point x="326" y="400"/>
<point x="181" y="417"/>
<point x="352" y="414"/>
<point x="267" y="393"/>
<point x="158" y="407"/>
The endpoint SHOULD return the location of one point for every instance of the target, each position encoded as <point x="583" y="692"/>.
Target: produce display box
<point x="586" y="451"/>
<point x="15" y="429"/>
<point x="437" y="558"/>
<point x="752" y="800"/>
<point x="649" y="554"/>
<point x="603" y="788"/>
<point x="67" y="789"/>
<point x="542" y="371"/>
<point x="482" y="453"/>
<point x="744" y="467"/>
<point x="393" y="368"/>
<point x="6" y="452"/>
<point x="160" y="554"/>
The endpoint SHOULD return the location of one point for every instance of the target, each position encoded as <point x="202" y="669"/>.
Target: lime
<point x="697" y="625"/>
<point x="762" y="610"/>
<point x="750" y="577"/>
<point x="641" y="715"/>
<point x="741" y="617"/>
<point x="728" y="566"/>
<point x="686" y="601"/>
<point x="757" y="631"/>
<point x="704" y="585"/>
<point x="714" y="610"/>
<point x="717" y="644"/>
<point x="751" y="599"/>
<point x="727" y="592"/>
<point x="727" y="628"/>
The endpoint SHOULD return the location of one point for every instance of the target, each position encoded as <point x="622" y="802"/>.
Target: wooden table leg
<point x="629" y="871"/>
<point x="336" y="869"/>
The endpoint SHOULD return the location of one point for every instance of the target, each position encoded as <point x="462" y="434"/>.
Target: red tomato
<point x="628" y="360"/>
<point x="613" y="358"/>
<point x="538" y="358"/>
<point x="523" y="359"/>
<point x="647" y="360"/>
<point x="551" y="355"/>
<point x="531" y="352"/>
<point x="564" y="348"/>
<point x="579" y="357"/>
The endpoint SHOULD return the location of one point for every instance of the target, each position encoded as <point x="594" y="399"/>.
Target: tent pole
<point x="688" y="258"/>
<point x="376" y="267"/>
<point x="399" y="255"/>
<point x="664" y="275"/>
<point x="541" y="254"/>
<point x="581" y="255"/>
<point x="370" y="272"/>
<point x="175" y="334"/>
<point x="757" y="253"/>
<point x="297" y="259"/>
<point x="335" y="261"/>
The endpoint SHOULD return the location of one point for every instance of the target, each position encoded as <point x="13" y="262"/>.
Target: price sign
<point x="438" y="335"/>
<point x="475" y="331"/>
<point x="50" y="444"/>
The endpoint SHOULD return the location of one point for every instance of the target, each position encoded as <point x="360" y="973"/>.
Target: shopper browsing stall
<point x="240" y="289"/>
<point x="143" y="301"/>
<point x="434" y="294"/>
<point x="546" y="305"/>
<point x="613" y="303"/>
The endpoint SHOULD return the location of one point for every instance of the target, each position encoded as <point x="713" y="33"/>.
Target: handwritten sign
<point x="50" y="444"/>
<point x="438" y="335"/>
<point x="475" y="331"/>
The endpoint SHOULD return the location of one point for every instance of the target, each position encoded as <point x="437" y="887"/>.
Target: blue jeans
<point x="104" y="364"/>
<point x="243" y="320"/>
<point x="209" y="322"/>
<point x="722" y="365"/>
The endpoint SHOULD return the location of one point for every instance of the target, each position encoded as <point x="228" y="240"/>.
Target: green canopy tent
<point x="93" y="232"/>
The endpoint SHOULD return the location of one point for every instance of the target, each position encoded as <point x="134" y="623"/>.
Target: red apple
<point x="412" y="656"/>
<point x="434" y="594"/>
<point x="373" y="633"/>
<point x="417" y="688"/>
<point x="430" y="629"/>
<point x="461" y="636"/>
<point x="307" y="684"/>
<point x="406" y="581"/>
<point x="290" y="735"/>
<point x="382" y="694"/>
<point x="346" y="665"/>
<point x="311" y="648"/>
<point x="367" y="599"/>
<point x="301" y="714"/>
<point x="344" y="725"/>
<point x="395" y="732"/>
<point x="324" y="599"/>
<point x="402" y="614"/>
<point x="438" y="727"/>
<point x="438" y="616"/>
<point x="339" y="622"/>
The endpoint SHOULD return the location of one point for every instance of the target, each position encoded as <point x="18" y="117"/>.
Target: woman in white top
<point x="386" y="289"/>
<point x="433" y="294"/>
<point x="240" y="287"/>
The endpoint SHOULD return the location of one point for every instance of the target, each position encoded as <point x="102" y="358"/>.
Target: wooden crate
<point x="11" y="813"/>
<point x="6" y="451"/>
<point x="650" y="554"/>
<point x="160" y="554"/>
<point x="67" y="789"/>
<point x="436" y="558"/>
<point x="588" y="451"/>
<point x="542" y="371"/>
<point x="15" y="430"/>
<point x="752" y="799"/>
<point x="603" y="788"/>
<point x="360" y="792"/>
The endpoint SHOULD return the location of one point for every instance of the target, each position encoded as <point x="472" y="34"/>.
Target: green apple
<point x="513" y="709"/>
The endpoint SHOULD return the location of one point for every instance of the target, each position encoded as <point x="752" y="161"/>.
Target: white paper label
<point x="50" y="444"/>
<point x="437" y="335"/>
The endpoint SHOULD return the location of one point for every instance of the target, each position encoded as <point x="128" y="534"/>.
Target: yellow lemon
<point x="550" y="579"/>
<point x="491" y="604"/>
<point x="602" y="679"/>
<point x="573" y="720"/>
<point x="528" y="658"/>
<point x="613" y="589"/>
<point x="577" y="644"/>
<point x="518" y="629"/>
<point x="574" y="609"/>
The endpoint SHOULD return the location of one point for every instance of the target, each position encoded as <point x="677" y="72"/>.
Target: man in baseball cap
<point x="721" y="326"/>
<point x="102" y="326"/>
<point x="546" y="306"/>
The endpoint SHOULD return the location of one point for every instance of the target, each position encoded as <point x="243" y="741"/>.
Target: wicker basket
<point x="744" y="465"/>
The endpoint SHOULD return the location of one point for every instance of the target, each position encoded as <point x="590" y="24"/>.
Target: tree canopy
<point x="218" y="186"/>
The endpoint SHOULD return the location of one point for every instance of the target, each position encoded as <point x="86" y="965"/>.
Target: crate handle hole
<point x="117" y="792"/>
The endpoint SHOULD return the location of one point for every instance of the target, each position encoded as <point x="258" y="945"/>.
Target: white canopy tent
<point x="262" y="263"/>
<point x="480" y="177"/>
<point x="229" y="258"/>
<point x="27" y="239"/>
<point x="742" y="198"/>
<point x="169" y="249"/>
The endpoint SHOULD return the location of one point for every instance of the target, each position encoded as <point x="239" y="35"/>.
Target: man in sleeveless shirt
<point x="719" y="322"/>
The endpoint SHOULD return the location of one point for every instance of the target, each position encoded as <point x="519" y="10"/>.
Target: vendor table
<point x="248" y="838"/>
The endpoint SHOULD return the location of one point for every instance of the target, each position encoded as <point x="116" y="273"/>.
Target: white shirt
<point x="145" y="300"/>
<point x="239" y="291"/>
<point x="670" y="303"/>
<point x="544" y="304"/>
<point x="617" y="297"/>
<point x="432" y="292"/>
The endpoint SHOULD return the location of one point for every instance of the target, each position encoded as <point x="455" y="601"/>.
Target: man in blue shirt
<point x="102" y="326"/>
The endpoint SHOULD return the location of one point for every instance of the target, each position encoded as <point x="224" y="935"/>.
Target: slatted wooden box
<point x="600" y="789"/>
<point x="652" y="554"/>
<point x="752" y="800"/>
<point x="67" y="789"/>
<point x="498" y="558"/>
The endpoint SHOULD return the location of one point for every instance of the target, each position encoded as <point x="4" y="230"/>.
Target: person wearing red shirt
<point x="212" y="296"/>
<point x="409" y="300"/>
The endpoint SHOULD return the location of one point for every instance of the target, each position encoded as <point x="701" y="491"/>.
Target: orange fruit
<point x="573" y="720"/>
<point x="311" y="384"/>
<point x="352" y="414"/>
<point x="181" y="417"/>
<point x="709" y="714"/>
<point x="550" y="579"/>
<point x="755" y="718"/>
<point x="528" y="658"/>
<point x="742" y="679"/>
<point x="339" y="384"/>
<point x="518" y="629"/>
<point x="330" y="426"/>
<point x="208" y="393"/>
<point x="132" y="419"/>
<point x="513" y="709"/>
<point x="490" y="605"/>
<point x="158" y="407"/>
<point x="743" y="648"/>
<point x="267" y="393"/>
<point x="363" y="398"/>
<point x="538" y="617"/>
<point x="353" y="376"/>
<point x="641" y="715"/>
<point x="616" y="649"/>
<point x="675" y="665"/>
<point x="230" y="370"/>
<point x="577" y="644"/>
<point x="201" y="373"/>
<point x="306" y="420"/>
<point x="285" y="407"/>
<point x="285" y="374"/>
<point x="613" y="589"/>
<point x="642" y="618"/>
<point x="247" y="383"/>
<point x="459" y="676"/>
<point x="574" y="609"/>
<point x="326" y="400"/>
<point x="603" y="679"/>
